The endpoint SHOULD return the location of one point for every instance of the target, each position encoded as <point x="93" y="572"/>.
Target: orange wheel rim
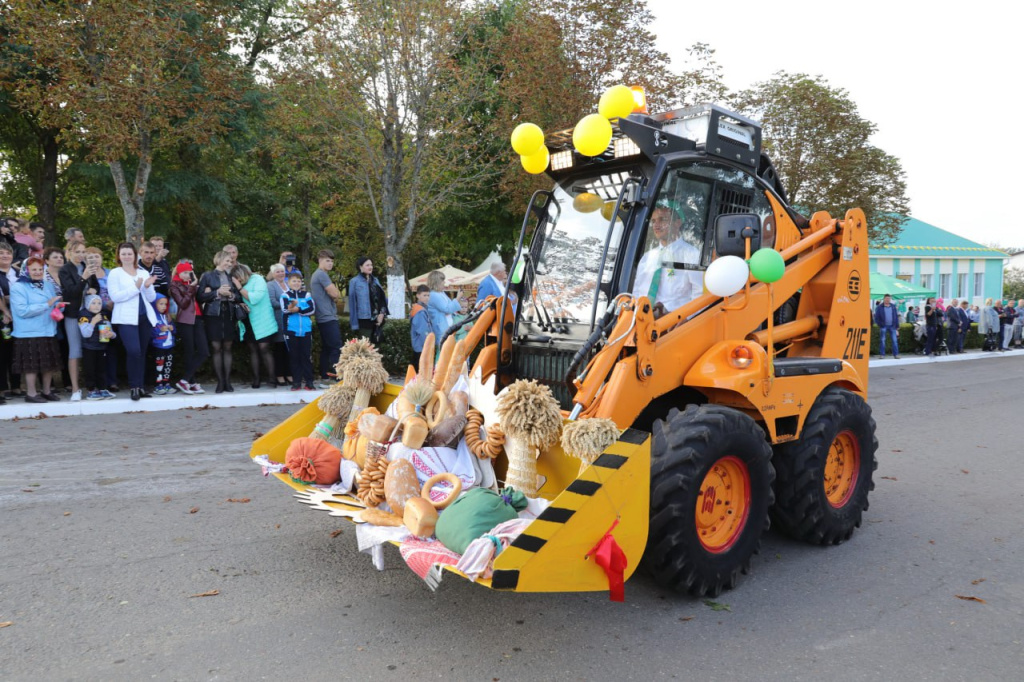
<point x="723" y="504"/>
<point x="842" y="468"/>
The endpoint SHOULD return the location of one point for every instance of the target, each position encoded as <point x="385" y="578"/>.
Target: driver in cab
<point x="657" y="276"/>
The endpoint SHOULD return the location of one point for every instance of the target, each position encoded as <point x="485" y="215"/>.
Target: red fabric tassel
<point x="612" y="559"/>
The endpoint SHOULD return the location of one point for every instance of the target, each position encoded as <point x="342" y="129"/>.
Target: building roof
<point x="921" y="240"/>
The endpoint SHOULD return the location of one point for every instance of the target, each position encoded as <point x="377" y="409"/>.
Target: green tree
<point x="128" y="79"/>
<point x="1013" y="283"/>
<point x="387" y="105"/>
<point x="821" y="147"/>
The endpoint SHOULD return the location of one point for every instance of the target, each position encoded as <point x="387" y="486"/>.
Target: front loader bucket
<point x="552" y="553"/>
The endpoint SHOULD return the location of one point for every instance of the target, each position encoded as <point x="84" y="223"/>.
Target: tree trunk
<point x="396" y="279"/>
<point x="46" y="188"/>
<point x="134" y="203"/>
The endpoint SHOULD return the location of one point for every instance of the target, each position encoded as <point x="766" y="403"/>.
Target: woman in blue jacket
<point x="367" y="302"/>
<point x="440" y="308"/>
<point x="35" y="331"/>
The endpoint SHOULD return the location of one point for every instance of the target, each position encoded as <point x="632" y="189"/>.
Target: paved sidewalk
<point x="970" y="354"/>
<point x="122" y="404"/>
<point x="243" y="396"/>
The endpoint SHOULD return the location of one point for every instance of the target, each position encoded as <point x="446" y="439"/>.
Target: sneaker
<point x="183" y="387"/>
<point x="37" y="398"/>
<point x="113" y="388"/>
<point x="321" y="386"/>
<point x="309" y="387"/>
<point x="107" y="395"/>
<point x="160" y="390"/>
<point x="94" y="395"/>
<point x="196" y="388"/>
<point x="296" y="388"/>
<point x="76" y="396"/>
<point x="52" y="397"/>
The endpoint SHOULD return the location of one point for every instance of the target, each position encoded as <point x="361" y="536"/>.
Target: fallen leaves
<point x="209" y="593"/>
<point x="717" y="606"/>
<point x="964" y="471"/>
<point x="978" y="581"/>
<point x="336" y="533"/>
<point x="242" y="500"/>
<point x="890" y="478"/>
<point x="967" y="598"/>
<point x="193" y="510"/>
<point x="167" y="498"/>
<point x="6" y="624"/>
<point x="687" y="618"/>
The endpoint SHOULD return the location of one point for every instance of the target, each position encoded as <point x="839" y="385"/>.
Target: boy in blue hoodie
<point x="163" y="346"/>
<point x="96" y="335"/>
<point x="298" y="308"/>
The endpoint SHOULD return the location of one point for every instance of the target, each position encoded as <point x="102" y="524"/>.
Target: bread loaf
<point x="420" y="517"/>
<point x="414" y="431"/>
<point x="400" y="485"/>
<point x="379" y="517"/>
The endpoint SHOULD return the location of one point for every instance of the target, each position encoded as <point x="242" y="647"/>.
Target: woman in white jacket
<point x="131" y="289"/>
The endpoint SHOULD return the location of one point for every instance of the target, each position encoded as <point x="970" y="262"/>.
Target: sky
<point x="942" y="81"/>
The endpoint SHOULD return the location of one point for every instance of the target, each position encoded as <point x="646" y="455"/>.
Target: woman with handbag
<point x="34" y="307"/>
<point x="367" y="302"/>
<point x="219" y="297"/>
<point x="259" y="327"/>
<point x="131" y="289"/>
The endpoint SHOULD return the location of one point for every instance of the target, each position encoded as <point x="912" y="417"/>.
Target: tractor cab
<point x="639" y="219"/>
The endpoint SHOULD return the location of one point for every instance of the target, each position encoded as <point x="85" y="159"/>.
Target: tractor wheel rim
<point x="842" y="468"/>
<point x="723" y="504"/>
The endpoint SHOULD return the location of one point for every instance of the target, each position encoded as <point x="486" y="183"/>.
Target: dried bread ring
<point x="436" y="409"/>
<point x="437" y="478"/>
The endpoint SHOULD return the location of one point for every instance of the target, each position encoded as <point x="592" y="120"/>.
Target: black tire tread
<point x="683" y="448"/>
<point x="801" y="509"/>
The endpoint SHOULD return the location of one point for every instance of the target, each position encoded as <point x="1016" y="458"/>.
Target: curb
<point x="16" y="408"/>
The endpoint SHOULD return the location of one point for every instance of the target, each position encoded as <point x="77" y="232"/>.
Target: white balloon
<point x="726" y="275"/>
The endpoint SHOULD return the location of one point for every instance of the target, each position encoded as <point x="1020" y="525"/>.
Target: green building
<point x="934" y="259"/>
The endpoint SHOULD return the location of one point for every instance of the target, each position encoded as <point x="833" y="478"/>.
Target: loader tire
<point x="823" y="480"/>
<point x="711" y="488"/>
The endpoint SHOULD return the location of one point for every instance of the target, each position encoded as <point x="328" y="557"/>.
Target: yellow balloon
<point x="527" y="138"/>
<point x="537" y="162"/>
<point x="606" y="210"/>
<point x="616" y="102"/>
<point x="592" y="135"/>
<point x="587" y="202"/>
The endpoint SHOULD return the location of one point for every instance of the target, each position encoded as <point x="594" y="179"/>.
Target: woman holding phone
<point x="217" y="294"/>
<point x="131" y="289"/>
<point x="190" y="327"/>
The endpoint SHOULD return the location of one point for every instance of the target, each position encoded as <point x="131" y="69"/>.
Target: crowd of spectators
<point x="942" y="328"/>
<point x="147" y="327"/>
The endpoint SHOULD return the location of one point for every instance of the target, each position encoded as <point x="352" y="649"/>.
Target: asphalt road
<point x="110" y="524"/>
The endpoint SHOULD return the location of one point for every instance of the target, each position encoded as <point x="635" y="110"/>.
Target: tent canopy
<point x="453" y="277"/>
<point x="897" y="288"/>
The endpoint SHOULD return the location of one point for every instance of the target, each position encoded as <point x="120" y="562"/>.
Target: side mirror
<point x="732" y="231"/>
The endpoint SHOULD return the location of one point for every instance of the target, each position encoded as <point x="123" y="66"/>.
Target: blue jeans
<point x="893" y="333"/>
<point x="330" y="346"/>
<point x="135" y="339"/>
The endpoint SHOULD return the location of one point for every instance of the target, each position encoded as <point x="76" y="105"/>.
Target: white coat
<point x="127" y="297"/>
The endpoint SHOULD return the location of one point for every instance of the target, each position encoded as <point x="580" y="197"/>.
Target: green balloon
<point x="766" y="265"/>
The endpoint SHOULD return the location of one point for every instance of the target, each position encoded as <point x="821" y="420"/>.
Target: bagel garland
<point x="488" y="448"/>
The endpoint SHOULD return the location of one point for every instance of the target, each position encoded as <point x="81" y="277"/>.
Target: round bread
<point x="437" y="478"/>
